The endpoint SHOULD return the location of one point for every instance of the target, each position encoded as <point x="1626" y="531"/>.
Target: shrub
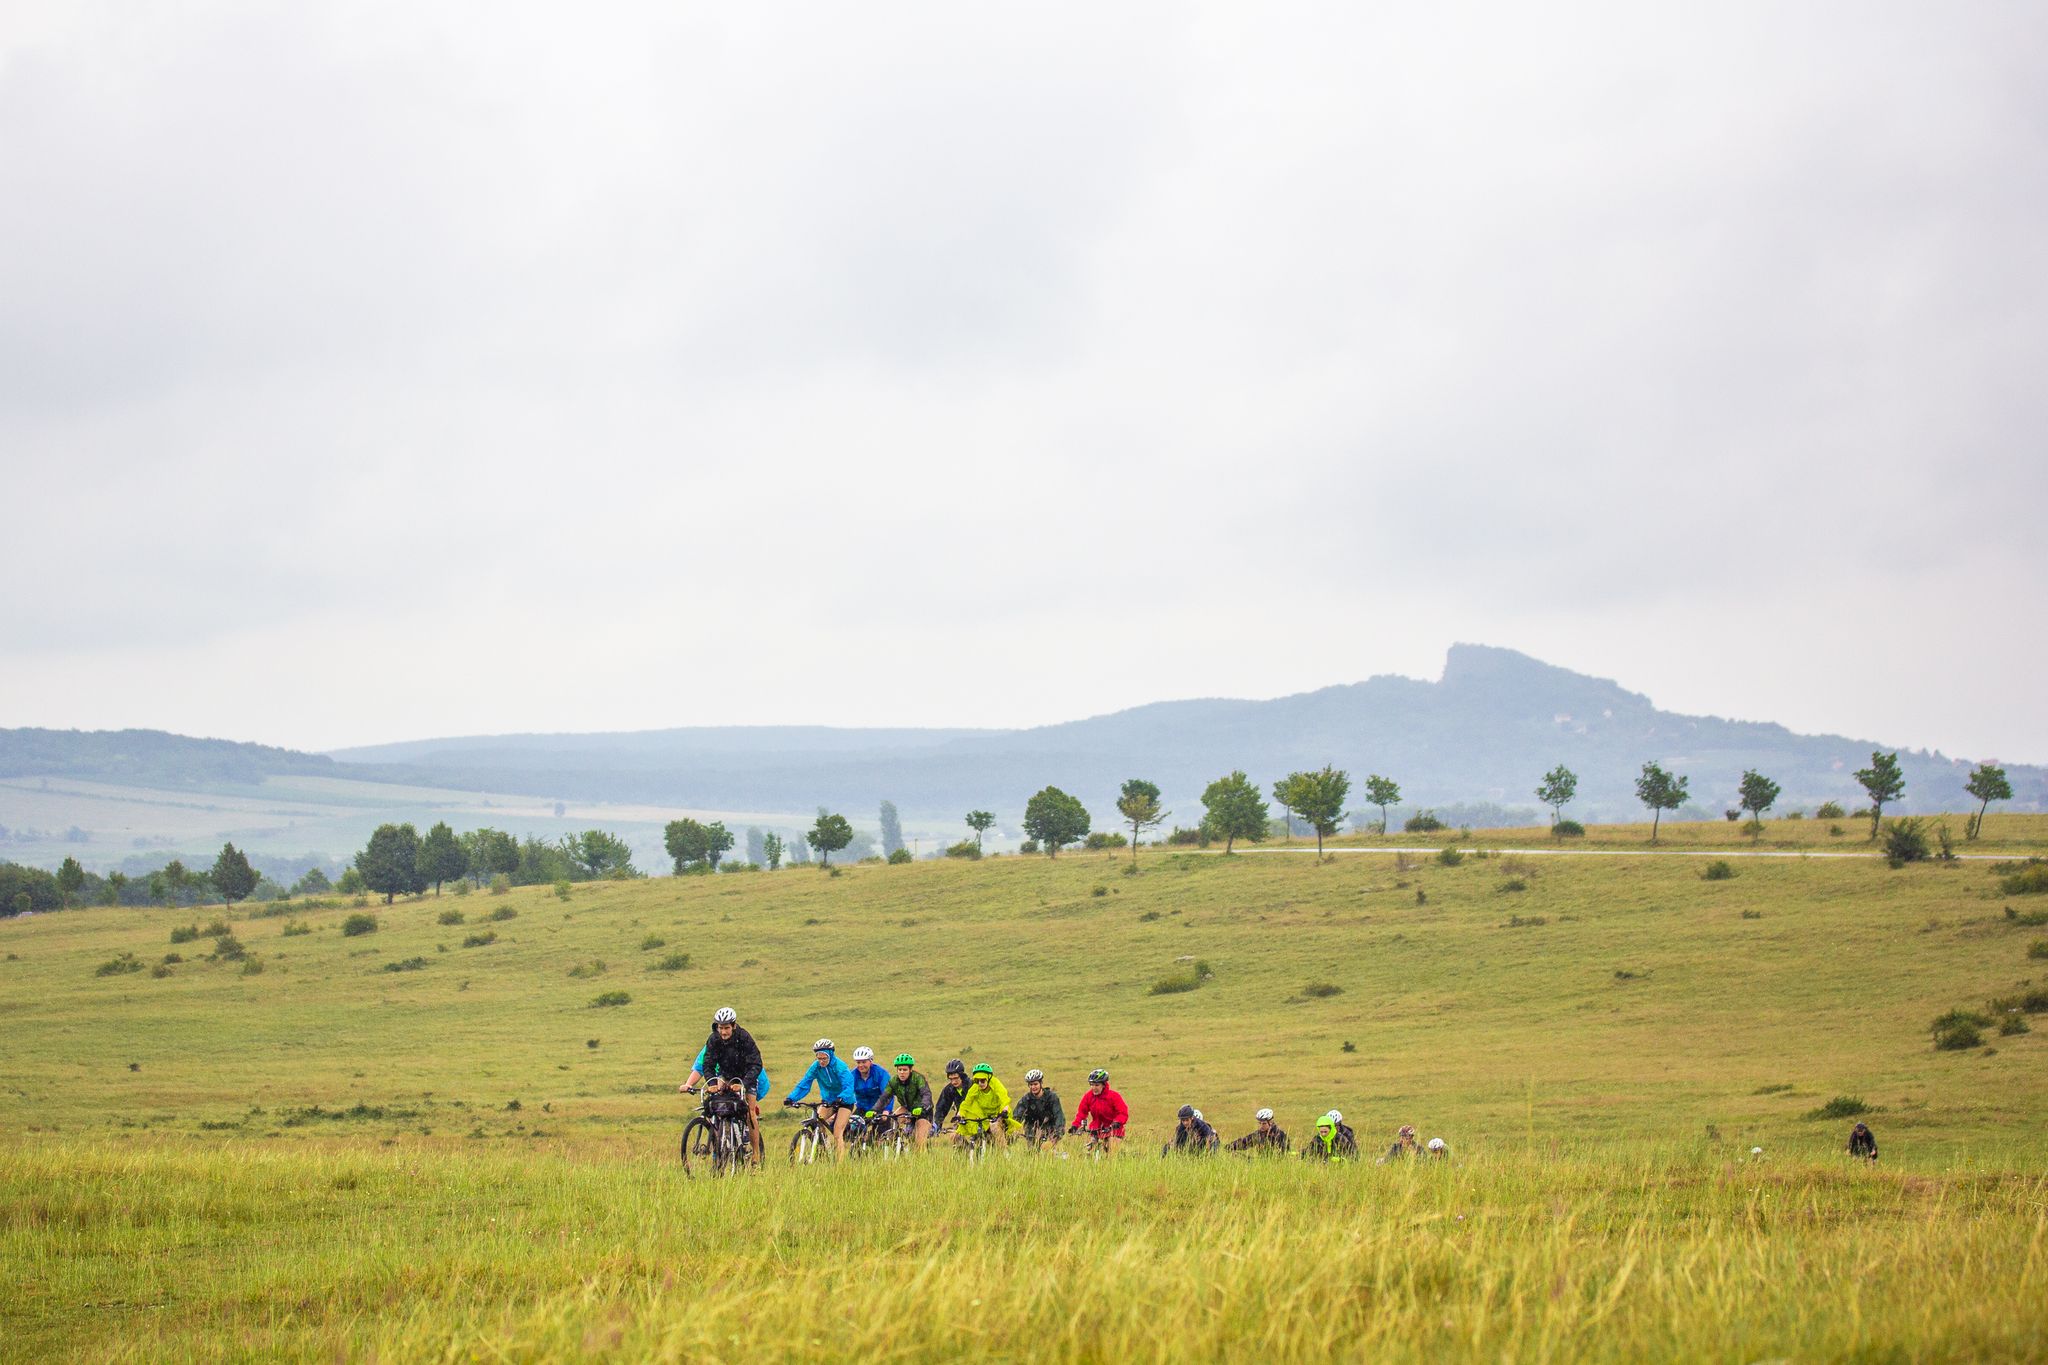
<point x="1181" y="979"/>
<point x="1959" y="1016"/>
<point x="503" y="913"/>
<point x="480" y="940"/>
<point x="118" y="966"/>
<point x="1183" y="837"/>
<point x="462" y="886"/>
<point x="228" y="948"/>
<point x="174" y="957"/>
<point x="2028" y="999"/>
<point x="216" y="928"/>
<point x="1752" y="914"/>
<point x="1028" y="846"/>
<point x="2032" y="919"/>
<point x="296" y="928"/>
<point x="357" y="925"/>
<point x="1449" y="857"/>
<point x="1836" y="831"/>
<point x="1958" y="1037"/>
<point x="1905" y="841"/>
<point x="1104" y="838"/>
<point x="2031" y="880"/>
<point x="163" y="969"/>
<point x="2038" y="948"/>
<point x="450" y="916"/>
<point x="1099" y="891"/>
<point x="651" y="942"/>
<point x="966" y="848"/>
<point x="1514" y="884"/>
<point x="899" y="857"/>
<point x="1568" y="829"/>
<point x="1719" y="870"/>
<point x="1791" y="815"/>
<point x="1350" y="1046"/>
<point x="1148" y="917"/>
<point x="2013" y="1024"/>
<point x="500" y="884"/>
<point x="411" y="964"/>
<point x="1828" y="810"/>
<point x="1532" y="922"/>
<point x="611" y="999"/>
<point x="1840" y="1107"/>
<point x="594" y="967"/>
<point x="184" y="933"/>
<point x="252" y="966"/>
<point x="1733" y="815"/>
<point x="674" y="962"/>
<point x="1321" y="990"/>
<point x="561" y="888"/>
<point x="1422" y="822"/>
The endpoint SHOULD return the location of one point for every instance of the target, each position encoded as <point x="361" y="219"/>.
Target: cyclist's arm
<point x="803" y="1087"/>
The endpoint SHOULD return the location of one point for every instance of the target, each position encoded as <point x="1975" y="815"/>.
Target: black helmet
<point x="1187" y="1111"/>
<point x="956" y="1067"/>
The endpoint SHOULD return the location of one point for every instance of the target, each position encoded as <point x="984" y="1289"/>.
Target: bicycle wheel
<point x="699" y="1143"/>
<point x="803" y="1148"/>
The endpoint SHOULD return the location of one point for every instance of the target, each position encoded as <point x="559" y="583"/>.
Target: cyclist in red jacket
<point x="1102" y="1110"/>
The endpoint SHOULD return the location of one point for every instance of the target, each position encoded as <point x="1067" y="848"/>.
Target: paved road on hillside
<point x="1431" y="849"/>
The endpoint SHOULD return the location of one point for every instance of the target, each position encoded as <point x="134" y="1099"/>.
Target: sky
<point x="387" y="370"/>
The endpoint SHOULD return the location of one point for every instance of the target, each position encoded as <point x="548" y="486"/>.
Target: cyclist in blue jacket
<point x="870" y="1082"/>
<point x="835" y="1091"/>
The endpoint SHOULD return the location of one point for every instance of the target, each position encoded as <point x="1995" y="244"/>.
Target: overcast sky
<point x="376" y="371"/>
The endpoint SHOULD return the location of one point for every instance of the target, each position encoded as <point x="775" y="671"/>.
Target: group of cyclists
<point x="972" y="1105"/>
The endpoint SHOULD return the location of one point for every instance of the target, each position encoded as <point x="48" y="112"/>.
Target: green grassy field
<point x="467" y="1158"/>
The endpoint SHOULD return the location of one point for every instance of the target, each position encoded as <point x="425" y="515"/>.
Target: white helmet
<point x="1436" y="1144"/>
<point x="863" y="1054"/>
<point x="1034" y="1074"/>
<point x="724" y="1016"/>
<point x="822" y="1045"/>
<point x="1335" y="1117"/>
<point x="1264" y="1116"/>
<point x="1199" y="1118"/>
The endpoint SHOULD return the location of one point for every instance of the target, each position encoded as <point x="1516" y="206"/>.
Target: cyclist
<point x="1346" y="1139"/>
<point x="1102" y="1110"/>
<point x="1437" y="1148"/>
<point x="835" y="1091"/>
<point x="732" y="1058"/>
<point x="870" y="1083"/>
<point x="1863" y="1142"/>
<point x="1404" y="1146"/>
<point x="1267" y="1137"/>
<point x="1325" y="1145"/>
<point x="761" y="1085"/>
<point x="1194" y="1136"/>
<point x="1040" y="1111"/>
<point x="950" y="1094"/>
<point x="986" y="1104"/>
<point x="910" y="1095"/>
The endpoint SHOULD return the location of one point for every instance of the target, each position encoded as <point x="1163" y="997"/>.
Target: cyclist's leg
<point x="838" y="1122"/>
<point x="999" y="1127"/>
<point x="1116" y="1143"/>
<point x="920" y="1132"/>
<point x="753" y="1121"/>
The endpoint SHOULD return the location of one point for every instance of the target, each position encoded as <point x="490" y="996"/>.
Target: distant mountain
<point x="1484" y="733"/>
<point x="148" y="758"/>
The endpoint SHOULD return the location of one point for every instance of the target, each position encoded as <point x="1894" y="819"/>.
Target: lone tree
<point x="442" y="857"/>
<point x="1758" y="795"/>
<point x="1054" y="818"/>
<point x="70" y="881"/>
<point x="771" y="850"/>
<point x="892" y="829"/>
<point x="1235" y="810"/>
<point x="390" y="865"/>
<point x="1987" y="784"/>
<point x="1139" y="805"/>
<point x="980" y="821"/>
<point x="1883" y="781"/>
<point x="1383" y="792"/>
<point x="1560" y="785"/>
<point x="232" y="876"/>
<point x="1317" y="797"/>
<point x="828" y="836"/>
<point x="1660" y="791"/>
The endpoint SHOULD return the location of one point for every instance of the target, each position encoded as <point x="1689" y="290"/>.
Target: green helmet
<point x="1326" y="1122"/>
<point x="984" y="1069"/>
<point x="905" y="1059"/>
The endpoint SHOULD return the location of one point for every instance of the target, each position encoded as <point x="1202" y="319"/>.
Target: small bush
<point x="1836" y="831"/>
<point x="450" y="916"/>
<point x="1321" y="990"/>
<point x="584" y="970"/>
<point x="252" y="966"/>
<point x="1733" y="815"/>
<point x="562" y="889"/>
<point x="1518" y="922"/>
<point x="2013" y="1024"/>
<point x="296" y="928"/>
<point x="1422" y="822"/>
<point x="1028" y="846"/>
<point x="357" y="925"/>
<point x="500" y="884"/>
<point x="174" y="958"/>
<point x="1103" y="838"/>
<point x="228" y="948"/>
<point x="462" y="886"/>
<point x="1840" y="1107"/>
<point x="118" y="966"/>
<point x="1752" y="914"/>
<point x="1828" y="810"/>
<point x="651" y="942"/>
<point x="503" y="913"/>
<point x="1958" y="1037"/>
<point x="1959" y="1016"/>
<point x="610" y="1000"/>
<point x="1449" y="857"/>
<point x="1515" y="884"/>
<point x="480" y="940"/>
<point x="1128" y="870"/>
<point x="162" y="970"/>
<point x="1905" y="841"/>
<point x="1179" y="981"/>
<point x="1148" y="917"/>
<point x="899" y="857"/>
<point x="1350" y="1046"/>
<point x="1568" y="829"/>
<point x="2038" y="948"/>
<point x="1099" y="891"/>
<point x="1182" y="837"/>
<point x="2031" y="880"/>
<point x="674" y="962"/>
<point x="184" y="933"/>
<point x="1719" y="870"/>
<point x="2032" y="919"/>
<point x="966" y="848"/>
<point x="2028" y="999"/>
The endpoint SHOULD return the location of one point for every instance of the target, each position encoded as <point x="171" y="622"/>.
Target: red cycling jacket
<point x="1106" y="1110"/>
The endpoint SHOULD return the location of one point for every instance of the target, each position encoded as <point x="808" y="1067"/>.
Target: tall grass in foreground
<point x="143" y="1252"/>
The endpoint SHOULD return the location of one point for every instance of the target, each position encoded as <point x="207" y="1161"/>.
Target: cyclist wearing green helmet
<point x="985" y="1105"/>
<point x="1326" y="1144"/>
<point x="909" y="1099"/>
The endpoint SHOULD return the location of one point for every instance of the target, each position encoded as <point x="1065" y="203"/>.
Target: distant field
<point x="312" y="1158"/>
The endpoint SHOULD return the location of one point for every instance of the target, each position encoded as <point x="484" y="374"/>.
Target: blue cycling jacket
<point x="760" y="1083"/>
<point x="867" y="1094"/>
<point x="835" y="1082"/>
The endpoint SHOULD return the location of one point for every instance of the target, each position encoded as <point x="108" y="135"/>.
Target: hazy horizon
<point x="376" y="372"/>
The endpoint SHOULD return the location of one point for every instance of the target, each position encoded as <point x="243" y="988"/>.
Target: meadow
<point x="430" y="1141"/>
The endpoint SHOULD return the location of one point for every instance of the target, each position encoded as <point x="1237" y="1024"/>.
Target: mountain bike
<point x="981" y="1143"/>
<point x="715" y="1139"/>
<point x="814" y="1135"/>
<point x="886" y="1137"/>
<point x="1098" y="1143"/>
